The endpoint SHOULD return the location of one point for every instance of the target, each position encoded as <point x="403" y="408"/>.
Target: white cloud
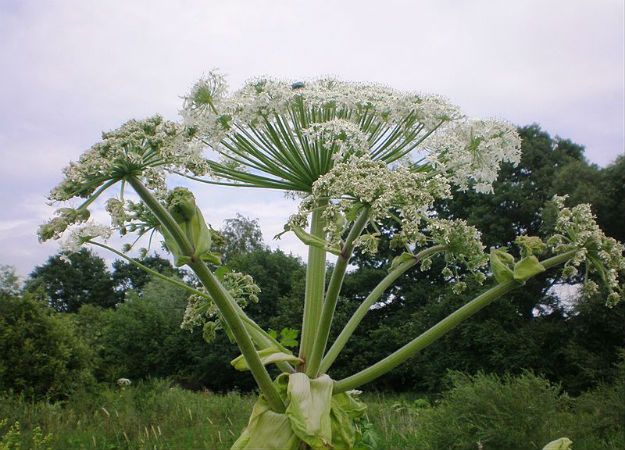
<point x="72" y="68"/>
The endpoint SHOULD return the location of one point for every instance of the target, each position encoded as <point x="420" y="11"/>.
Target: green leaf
<point x="559" y="444"/>
<point x="398" y="260"/>
<point x="500" y="264"/>
<point x="267" y="356"/>
<point x="221" y="271"/>
<point x="314" y="241"/>
<point x="308" y="410"/>
<point x="345" y="410"/>
<point x="527" y="268"/>
<point x="267" y="430"/>
<point x="288" y="337"/>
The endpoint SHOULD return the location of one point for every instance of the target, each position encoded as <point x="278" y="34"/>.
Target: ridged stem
<point x="315" y="286"/>
<point x="332" y="294"/>
<point x="371" y="299"/>
<point x="437" y="331"/>
<point x="224" y="301"/>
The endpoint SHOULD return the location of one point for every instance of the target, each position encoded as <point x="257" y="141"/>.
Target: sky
<point x="74" y="68"/>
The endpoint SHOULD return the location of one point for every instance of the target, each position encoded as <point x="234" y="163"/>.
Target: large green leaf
<point x="308" y="409"/>
<point x="345" y="410"/>
<point x="267" y="430"/>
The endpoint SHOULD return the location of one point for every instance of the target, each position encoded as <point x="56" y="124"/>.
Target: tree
<point x="40" y="353"/>
<point x="240" y="235"/>
<point x="127" y="276"/>
<point x="9" y="281"/>
<point x="611" y="210"/>
<point x="69" y="281"/>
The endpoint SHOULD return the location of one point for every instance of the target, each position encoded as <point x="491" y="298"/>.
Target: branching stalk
<point x="315" y="286"/>
<point x="332" y="295"/>
<point x="226" y="304"/>
<point x="261" y="338"/>
<point x="437" y="331"/>
<point x="366" y="305"/>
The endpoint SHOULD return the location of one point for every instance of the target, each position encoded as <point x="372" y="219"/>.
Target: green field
<point x="478" y="412"/>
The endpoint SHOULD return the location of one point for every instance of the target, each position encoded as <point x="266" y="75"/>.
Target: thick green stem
<point x="371" y="299"/>
<point x="332" y="295"/>
<point x="315" y="286"/>
<point x="226" y="304"/>
<point x="437" y="331"/>
<point x="260" y="337"/>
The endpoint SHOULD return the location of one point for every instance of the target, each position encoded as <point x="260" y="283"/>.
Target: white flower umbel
<point x="471" y="151"/>
<point x="383" y="189"/>
<point x="80" y="235"/>
<point x="144" y="148"/>
<point x="286" y="135"/>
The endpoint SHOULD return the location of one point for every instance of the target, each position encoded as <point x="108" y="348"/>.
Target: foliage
<point x="155" y="413"/>
<point x="40" y="353"/>
<point x="9" y="281"/>
<point x="69" y="281"/>
<point x="127" y="276"/>
<point x="241" y="235"/>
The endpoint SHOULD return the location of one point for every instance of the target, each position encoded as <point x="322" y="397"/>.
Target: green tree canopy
<point x="69" y="281"/>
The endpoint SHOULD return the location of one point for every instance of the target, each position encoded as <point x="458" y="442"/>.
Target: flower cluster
<point x="80" y="235"/>
<point x="208" y="108"/>
<point x="577" y="229"/>
<point x="470" y="151"/>
<point x="65" y="217"/>
<point x="144" y="148"/>
<point x="364" y="182"/>
<point x="339" y="137"/>
<point x="202" y="311"/>
<point x="295" y="132"/>
<point x="462" y="247"/>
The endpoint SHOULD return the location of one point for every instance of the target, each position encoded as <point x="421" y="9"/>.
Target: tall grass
<point x="478" y="412"/>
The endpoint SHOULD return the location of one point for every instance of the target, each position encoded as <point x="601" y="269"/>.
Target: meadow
<point x="477" y="412"/>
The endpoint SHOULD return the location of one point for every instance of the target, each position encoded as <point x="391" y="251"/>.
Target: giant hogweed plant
<point x="355" y="155"/>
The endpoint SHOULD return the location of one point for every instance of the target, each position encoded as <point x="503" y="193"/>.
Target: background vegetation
<point x="536" y="365"/>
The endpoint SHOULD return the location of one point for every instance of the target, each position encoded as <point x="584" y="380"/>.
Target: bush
<point x="40" y="354"/>
<point x="520" y="413"/>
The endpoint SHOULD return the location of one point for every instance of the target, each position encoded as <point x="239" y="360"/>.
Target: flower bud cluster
<point x="577" y="229"/>
<point x="202" y="311"/>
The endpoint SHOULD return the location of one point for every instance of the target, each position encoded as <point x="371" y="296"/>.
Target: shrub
<point x="40" y="354"/>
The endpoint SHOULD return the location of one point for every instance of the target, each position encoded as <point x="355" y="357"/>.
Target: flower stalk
<point x="332" y="294"/>
<point x="439" y="330"/>
<point x="217" y="292"/>
<point x="315" y="286"/>
<point x="368" y="302"/>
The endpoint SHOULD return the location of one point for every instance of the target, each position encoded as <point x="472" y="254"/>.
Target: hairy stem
<point x="332" y="295"/>
<point x="315" y="285"/>
<point x="437" y="331"/>
<point x="371" y="299"/>
<point x="226" y="304"/>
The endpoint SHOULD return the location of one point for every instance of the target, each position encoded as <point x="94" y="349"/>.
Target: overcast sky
<point x="71" y="69"/>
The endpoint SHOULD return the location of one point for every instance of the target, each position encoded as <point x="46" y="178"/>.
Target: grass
<point x="154" y="415"/>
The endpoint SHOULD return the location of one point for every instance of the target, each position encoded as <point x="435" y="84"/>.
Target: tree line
<point x="75" y="322"/>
